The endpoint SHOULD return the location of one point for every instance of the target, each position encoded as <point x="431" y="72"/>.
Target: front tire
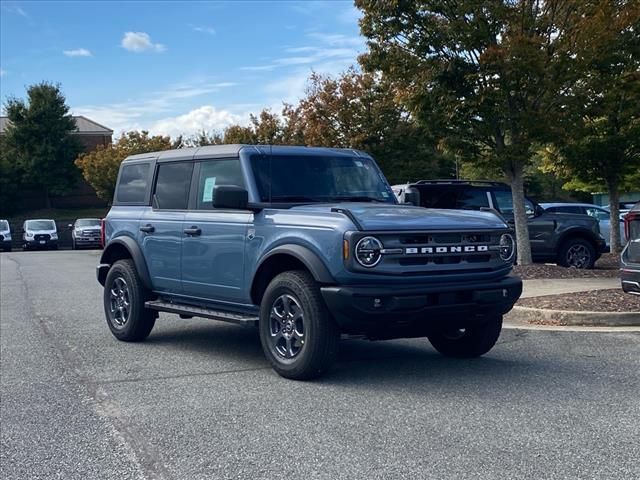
<point x="298" y="334"/>
<point x="124" y="297"/>
<point x="578" y="253"/>
<point x="469" y="342"/>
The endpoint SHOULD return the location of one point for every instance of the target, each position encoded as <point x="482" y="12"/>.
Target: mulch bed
<point x="607" y="266"/>
<point x="613" y="300"/>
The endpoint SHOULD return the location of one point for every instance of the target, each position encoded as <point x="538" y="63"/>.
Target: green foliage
<point x="38" y="141"/>
<point x="100" y="167"/>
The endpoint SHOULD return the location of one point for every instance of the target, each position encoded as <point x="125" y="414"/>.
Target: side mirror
<point x="412" y="196"/>
<point x="231" y="197"/>
<point x="538" y="211"/>
<point x="70" y="226"/>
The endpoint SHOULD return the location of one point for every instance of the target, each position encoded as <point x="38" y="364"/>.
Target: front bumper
<point x="384" y="312"/>
<point x="87" y="242"/>
<point x="35" y="244"/>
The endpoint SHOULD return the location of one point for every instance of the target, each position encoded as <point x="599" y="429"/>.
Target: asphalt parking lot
<point x="198" y="400"/>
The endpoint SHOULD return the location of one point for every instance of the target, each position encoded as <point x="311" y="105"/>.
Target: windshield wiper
<point x="357" y="198"/>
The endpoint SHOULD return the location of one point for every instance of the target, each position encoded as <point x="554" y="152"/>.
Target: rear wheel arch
<point x="122" y="248"/>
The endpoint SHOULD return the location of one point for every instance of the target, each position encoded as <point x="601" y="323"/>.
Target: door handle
<point x="193" y="231"/>
<point x="148" y="228"/>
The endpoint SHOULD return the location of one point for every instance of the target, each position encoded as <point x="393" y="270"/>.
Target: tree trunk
<point x="614" y="209"/>
<point x="520" y="215"/>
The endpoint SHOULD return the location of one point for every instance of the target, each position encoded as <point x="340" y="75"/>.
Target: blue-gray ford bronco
<point x="307" y="244"/>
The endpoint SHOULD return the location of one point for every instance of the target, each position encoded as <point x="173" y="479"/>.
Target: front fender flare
<point x="135" y="253"/>
<point x="308" y="258"/>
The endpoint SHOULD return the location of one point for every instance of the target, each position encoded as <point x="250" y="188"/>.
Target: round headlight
<point x="368" y="251"/>
<point x="507" y="247"/>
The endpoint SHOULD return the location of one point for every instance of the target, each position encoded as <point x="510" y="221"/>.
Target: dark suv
<point x="570" y="240"/>
<point x="306" y="244"/>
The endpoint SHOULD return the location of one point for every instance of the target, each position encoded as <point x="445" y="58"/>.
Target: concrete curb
<point x="572" y="317"/>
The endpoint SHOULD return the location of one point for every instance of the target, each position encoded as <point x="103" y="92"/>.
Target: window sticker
<point x="209" y="184"/>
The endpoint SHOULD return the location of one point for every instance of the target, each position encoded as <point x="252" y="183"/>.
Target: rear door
<point x="214" y="239"/>
<point x="161" y="225"/>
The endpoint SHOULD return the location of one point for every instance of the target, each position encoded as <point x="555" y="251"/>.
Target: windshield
<point x="88" y="222"/>
<point x="4" y="225"/>
<point x="302" y="179"/>
<point x="40" y="225"/>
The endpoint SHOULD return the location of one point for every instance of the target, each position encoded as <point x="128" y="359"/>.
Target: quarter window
<point x="134" y="180"/>
<point x="172" y="186"/>
<point x="214" y="173"/>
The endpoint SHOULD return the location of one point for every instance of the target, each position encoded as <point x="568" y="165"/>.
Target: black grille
<point x="445" y="238"/>
<point x="42" y="236"/>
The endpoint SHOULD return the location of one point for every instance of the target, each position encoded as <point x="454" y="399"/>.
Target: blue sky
<point x="174" y="67"/>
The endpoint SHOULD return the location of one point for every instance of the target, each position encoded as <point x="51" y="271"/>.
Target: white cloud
<point x="140" y="42"/>
<point x="203" y="29"/>
<point x="78" y="52"/>
<point x="143" y="113"/>
<point x="207" y="118"/>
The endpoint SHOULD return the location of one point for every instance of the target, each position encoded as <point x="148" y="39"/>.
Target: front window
<point x="504" y="202"/>
<point x="598" y="213"/>
<point x="306" y="179"/>
<point x="40" y="225"/>
<point x="4" y="225"/>
<point x="88" y="222"/>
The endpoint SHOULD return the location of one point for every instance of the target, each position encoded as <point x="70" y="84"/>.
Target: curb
<point x="572" y="317"/>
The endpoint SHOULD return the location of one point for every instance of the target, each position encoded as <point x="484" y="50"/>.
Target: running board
<point x="188" y="310"/>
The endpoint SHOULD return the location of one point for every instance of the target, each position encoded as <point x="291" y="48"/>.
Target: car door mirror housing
<point x="230" y="196"/>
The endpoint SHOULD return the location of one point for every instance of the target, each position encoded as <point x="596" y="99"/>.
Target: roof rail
<point x="458" y="182"/>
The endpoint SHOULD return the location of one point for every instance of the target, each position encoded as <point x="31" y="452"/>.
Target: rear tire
<point x="298" y="334"/>
<point x="578" y="253"/>
<point x="124" y="297"/>
<point x="468" y="343"/>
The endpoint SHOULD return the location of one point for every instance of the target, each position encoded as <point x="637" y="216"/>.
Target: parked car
<point x="305" y="243"/>
<point x="599" y="213"/>
<point x="39" y="234"/>
<point x="5" y="236"/>
<point x="630" y="258"/>
<point x="570" y="240"/>
<point x="85" y="232"/>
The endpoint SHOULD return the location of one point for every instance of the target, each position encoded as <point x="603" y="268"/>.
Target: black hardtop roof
<point x="226" y="151"/>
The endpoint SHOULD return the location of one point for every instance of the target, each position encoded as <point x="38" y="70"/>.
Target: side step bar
<point x="188" y="310"/>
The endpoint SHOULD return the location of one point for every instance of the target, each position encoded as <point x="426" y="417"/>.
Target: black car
<point x="85" y="232"/>
<point x="570" y="240"/>
<point x="630" y="259"/>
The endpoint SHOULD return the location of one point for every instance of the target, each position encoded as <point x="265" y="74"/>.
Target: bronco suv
<point x="304" y="243"/>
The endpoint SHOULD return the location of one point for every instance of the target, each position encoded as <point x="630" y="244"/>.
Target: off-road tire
<point x="576" y="243"/>
<point x="321" y="334"/>
<point x="140" y="320"/>
<point x="474" y="342"/>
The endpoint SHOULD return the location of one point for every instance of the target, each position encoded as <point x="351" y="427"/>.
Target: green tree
<point x="602" y="149"/>
<point x="492" y="79"/>
<point x="9" y="179"/>
<point x="39" y="138"/>
<point x="100" y="167"/>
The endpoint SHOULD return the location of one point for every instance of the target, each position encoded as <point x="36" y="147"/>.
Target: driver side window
<point x="214" y="173"/>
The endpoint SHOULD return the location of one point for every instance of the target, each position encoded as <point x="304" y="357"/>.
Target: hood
<point x="387" y="217"/>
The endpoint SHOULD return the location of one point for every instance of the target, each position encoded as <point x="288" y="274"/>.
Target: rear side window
<point x="214" y="173"/>
<point x="134" y="180"/>
<point x="172" y="186"/>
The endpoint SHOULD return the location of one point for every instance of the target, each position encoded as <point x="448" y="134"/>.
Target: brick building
<point x="90" y="134"/>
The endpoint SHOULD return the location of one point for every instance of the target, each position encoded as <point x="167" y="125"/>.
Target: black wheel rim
<point x="119" y="302"/>
<point x="286" y="327"/>
<point x="578" y="256"/>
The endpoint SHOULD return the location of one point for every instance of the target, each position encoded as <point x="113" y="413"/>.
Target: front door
<point x="214" y="240"/>
<point x="161" y="226"/>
